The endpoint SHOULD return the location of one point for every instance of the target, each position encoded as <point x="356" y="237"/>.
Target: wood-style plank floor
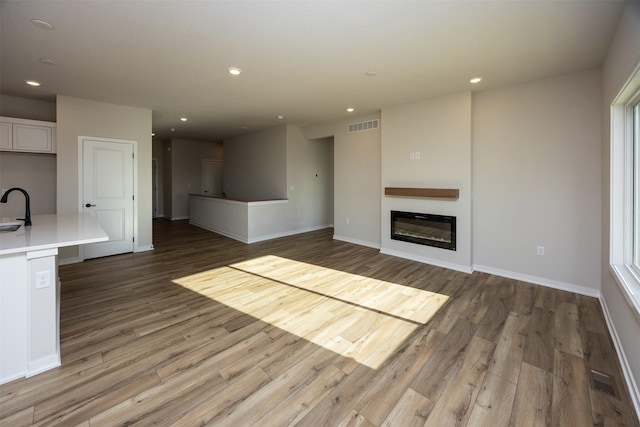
<point x="309" y="331"/>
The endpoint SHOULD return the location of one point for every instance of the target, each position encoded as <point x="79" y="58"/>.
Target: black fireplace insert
<point x="424" y="229"/>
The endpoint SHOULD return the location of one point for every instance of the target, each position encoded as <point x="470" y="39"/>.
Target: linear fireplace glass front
<point x="424" y="229"/>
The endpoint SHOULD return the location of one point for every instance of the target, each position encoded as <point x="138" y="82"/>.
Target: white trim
<point x="178" y="218"/>
<point x="536" y="280"/>
<point x="431" y="261"/>
<point x="634" y="393"/>
<point x="356" y="241"/>
<point x="42" y="253"/>
<point x="144" y="248"/>
<point x="624" y="277"/>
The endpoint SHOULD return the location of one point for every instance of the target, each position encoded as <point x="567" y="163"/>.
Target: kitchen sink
<point x="8" y="227"/>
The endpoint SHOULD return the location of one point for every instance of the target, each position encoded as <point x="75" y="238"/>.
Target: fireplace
<point x="424" y="229"/>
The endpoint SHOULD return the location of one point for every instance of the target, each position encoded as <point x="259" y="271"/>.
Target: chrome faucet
<point x="27" y="211"/>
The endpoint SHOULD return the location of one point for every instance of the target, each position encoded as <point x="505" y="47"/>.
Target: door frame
<point x="81" y="138"/>
<point x="155" y="183"/>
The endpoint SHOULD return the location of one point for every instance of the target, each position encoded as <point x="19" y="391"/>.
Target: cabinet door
<point x="6" y="136"/>
<point x="32" y="138"/>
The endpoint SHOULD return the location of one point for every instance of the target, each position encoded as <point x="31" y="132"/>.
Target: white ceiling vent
<point x="368" y="125"/>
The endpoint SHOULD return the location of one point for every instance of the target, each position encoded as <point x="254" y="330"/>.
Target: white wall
<point x="36" y="173"/>
<point x="621" y="61"/>
<point x="536" y="178"/>
<point x="80" y="117"/>
<point x="440" y="130"/>
<point x="255" y="165"/>
<point x="356" y="174"/>
<point x="310" y="181"/>
<point x="23" y="108"/>
<point x="186" y="171"/>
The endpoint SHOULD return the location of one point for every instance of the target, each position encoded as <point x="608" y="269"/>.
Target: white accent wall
<point x="427" y="144"/>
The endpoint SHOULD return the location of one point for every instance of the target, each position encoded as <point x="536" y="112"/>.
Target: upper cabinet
<point x="29" y="136"/>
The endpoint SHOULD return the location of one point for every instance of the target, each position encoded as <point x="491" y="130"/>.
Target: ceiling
<point x="303" y="60"/>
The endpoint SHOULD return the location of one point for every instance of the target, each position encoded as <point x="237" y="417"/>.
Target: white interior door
<point x="212" y="177"/>
<point x="108" y="193"/>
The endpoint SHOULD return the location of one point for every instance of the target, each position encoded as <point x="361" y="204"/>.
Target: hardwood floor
<point x="310" y="331"/>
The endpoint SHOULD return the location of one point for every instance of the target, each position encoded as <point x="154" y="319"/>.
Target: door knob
<point x="88" y="205"/>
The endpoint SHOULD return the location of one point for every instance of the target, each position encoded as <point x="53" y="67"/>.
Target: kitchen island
<point x="30" y="290"/>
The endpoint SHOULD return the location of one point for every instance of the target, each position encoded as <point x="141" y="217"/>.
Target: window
<point x="625" y="191"/>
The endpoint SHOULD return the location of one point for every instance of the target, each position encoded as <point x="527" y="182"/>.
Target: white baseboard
<point x="431" y="261"/>
<point x="144" y="248"/>
<point x="356" y="241"/>
<point x="582" y="290"/>
<point x="178" y="218"/>
<point x="622" y="358"/>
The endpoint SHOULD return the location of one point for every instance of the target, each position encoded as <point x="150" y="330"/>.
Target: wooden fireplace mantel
<point x="440" y="193"/>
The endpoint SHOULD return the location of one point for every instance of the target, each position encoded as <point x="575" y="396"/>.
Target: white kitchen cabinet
<point x="29" y="136"/>
<point x="6" y="136"/>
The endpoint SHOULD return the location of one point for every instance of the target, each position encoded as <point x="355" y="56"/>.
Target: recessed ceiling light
<point x="370" y="74"/>
<point x="48" y="61"/>
<point x="234" y="71"/>
<point x="183" y="119"/>
<point x="475" y="80"/>
<point x="280" y="117"/>
<point x="32" y="83"/>
<point x="172" y="129"/>
<point x="350" y="110"/>
<point x="42" y="24"/>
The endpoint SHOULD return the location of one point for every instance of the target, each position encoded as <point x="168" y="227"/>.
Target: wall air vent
<point x="368" y="125"/>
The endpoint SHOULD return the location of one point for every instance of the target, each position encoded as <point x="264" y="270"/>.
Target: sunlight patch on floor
<point x="361" y="318"/>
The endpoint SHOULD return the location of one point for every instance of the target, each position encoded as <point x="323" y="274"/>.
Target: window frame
<point x="622" y="177"/>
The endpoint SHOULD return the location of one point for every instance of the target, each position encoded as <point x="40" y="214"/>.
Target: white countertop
<point x="52" y="231"/>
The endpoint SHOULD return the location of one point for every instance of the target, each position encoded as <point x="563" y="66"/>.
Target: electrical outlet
<point x="540" y="250"/>
<point x="42" y="279"/>
<point x="348" y="221"/>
